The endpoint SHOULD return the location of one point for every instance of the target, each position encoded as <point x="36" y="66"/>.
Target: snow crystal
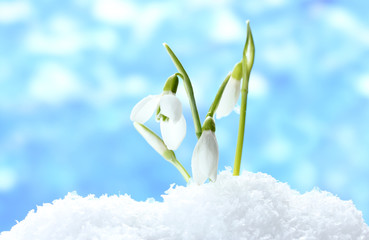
<point x="250" y="206"/>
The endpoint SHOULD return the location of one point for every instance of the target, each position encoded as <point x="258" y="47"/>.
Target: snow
<point x="250" y="206"/>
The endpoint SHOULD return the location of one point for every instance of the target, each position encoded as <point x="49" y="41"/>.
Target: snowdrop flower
<point x="169" y="113"/>
<point x="205" y="156"/>
<point x="231" y="93"/>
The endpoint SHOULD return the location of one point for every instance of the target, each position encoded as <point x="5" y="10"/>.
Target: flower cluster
<point x="168" y="110"/>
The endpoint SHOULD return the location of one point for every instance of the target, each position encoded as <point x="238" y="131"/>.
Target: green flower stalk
<point x="247" y="63"/>
<point x="214" y="105"/>
<point x="189" y="90"/>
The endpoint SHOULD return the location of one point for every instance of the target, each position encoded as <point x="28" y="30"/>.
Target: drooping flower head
<point x="205" y="156"/>
<point x="231" y="93"/>
<point x="168" y="111"/>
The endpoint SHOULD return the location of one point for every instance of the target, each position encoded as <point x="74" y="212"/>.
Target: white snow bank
<point x="251" y="206"/>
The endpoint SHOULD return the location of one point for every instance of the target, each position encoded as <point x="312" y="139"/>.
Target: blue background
<point x="71" y="71"/>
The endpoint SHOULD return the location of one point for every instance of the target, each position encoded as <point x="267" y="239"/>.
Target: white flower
<point x="205" y="156"/>
<point x="172" y="121"/>
<point x="231" y="93"/>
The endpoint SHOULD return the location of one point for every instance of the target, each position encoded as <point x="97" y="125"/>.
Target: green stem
<point x="217" y="98"/>
<point x="241" y="126"/>
<point x="247" y="63"/>
<point x="188" y="87"/>
<point x="180" y="168"/>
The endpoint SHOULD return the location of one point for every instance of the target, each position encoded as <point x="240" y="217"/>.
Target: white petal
<point x="214" y="169"/>
<point x="214" y="172"/>
<point x="197" y="174"/>
<point x="145" y="108"/>
<point x="171" y="107"/>
<point x="209" y="152"/>
<point x="205" y="158"/>
<point x="229" y="98"/>
<point x="173" y="133"/>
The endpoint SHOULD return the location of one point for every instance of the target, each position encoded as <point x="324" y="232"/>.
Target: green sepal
<point x="209" y="124"/>
<point x="237" y="71"/>
<point x="171" y="84"/>
<point x="168" y="155"/>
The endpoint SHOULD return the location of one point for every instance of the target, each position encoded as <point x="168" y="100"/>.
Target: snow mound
<point x="250" y="206"/>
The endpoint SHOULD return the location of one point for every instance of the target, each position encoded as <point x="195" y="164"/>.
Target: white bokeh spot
<point x="8" y="179"/>
<point x="258" y="85"/>
<point x="362" y="85"/>
<point x="54" y="84"/>
<point x="13" y="11"/>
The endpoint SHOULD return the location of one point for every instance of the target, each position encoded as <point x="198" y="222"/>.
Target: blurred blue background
<point x="71" y="71"/>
